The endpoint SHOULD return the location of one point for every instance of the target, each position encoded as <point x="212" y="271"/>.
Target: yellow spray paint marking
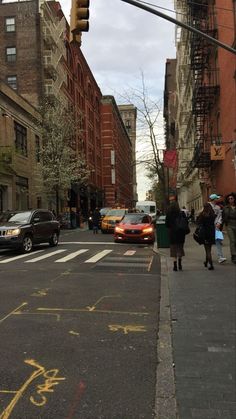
<point x="74" y="333"/>
<point x="127" y="329"/>
<point x="92" y="308"/>
<point x="39" y="399"/>
<point x="12" y="312"/>
<point x="40" y="293"/>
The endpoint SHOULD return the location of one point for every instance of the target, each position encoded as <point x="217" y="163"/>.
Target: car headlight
<point x="148" y="230"/>
<point x="119" y="229"/>
<point x="13" y="232"/>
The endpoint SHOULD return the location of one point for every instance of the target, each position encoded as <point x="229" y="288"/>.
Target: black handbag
<point x="199" y="234"/>
<point x="181" y="224"/>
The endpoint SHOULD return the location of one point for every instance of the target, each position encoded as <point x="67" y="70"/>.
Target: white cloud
<point x="123" y="41"/>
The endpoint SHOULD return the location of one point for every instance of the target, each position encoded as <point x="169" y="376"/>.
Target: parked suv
<point x="22" y="229"/>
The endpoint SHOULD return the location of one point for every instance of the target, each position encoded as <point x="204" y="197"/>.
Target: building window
<point x="20" y="139"/>
<point x="37" y="148"/>
<point x="12" y="82"/>
<point x="11" y="54"/>
<point x="10" y="24"/>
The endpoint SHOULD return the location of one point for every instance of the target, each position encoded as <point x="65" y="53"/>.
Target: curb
<point x="165" y="404"/>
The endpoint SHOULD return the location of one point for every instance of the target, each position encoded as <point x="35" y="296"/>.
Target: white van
<point x="149" y="207"/>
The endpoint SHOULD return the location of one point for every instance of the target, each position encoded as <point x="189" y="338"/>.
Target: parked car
<point x="103" y="212"/>
<point x="111" y="218"/>
<point x="136" y="228"/>
<point x="22" y="229"/>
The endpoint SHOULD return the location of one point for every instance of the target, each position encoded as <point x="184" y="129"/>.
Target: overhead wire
<point x="184" y="14"/>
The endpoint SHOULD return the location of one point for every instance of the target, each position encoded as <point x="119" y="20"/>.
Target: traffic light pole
<point x="181" y="24"/>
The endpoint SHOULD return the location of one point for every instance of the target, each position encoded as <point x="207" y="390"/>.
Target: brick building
<point x="21" y="185"/>
<point x="117" y="156"/>
<point x="206" y="91"/>
<point x="129" y="117"/>
<point x="37" y="59"/>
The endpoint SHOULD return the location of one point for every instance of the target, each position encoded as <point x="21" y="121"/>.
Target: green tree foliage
<point x="61" y="162"/>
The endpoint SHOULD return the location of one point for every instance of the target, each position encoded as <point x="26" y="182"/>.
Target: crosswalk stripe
<point x="98" y="256"/>
<point x="48" y="255"/>
<point x="72" y="255"/>
<point x="19" y="257"/>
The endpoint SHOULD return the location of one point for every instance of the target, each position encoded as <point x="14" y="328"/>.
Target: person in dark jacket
<point x="229" y="219"/>
<point x="96" y="219"/>
<point x="206" y="219"/>
<point x="177" y="237"/>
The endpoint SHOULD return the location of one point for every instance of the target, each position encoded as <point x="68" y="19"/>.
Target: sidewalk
<point x="197" y="337"/>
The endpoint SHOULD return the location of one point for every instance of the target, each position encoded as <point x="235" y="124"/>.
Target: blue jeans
<point x="219" y="248"/>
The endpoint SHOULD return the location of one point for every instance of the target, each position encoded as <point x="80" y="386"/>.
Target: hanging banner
<point x="170" y="158"/>
<point x="217" y="152"/>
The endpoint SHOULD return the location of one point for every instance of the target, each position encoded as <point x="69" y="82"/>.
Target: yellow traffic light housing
<point x="79" y="17"/>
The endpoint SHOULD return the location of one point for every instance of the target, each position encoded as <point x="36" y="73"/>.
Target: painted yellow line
<point x="12" y="312"/>
<point x="82" y="310"/>
<point x="22" y="313"/>
<point x="91" y="308"/>
<point x="150" y="264"/>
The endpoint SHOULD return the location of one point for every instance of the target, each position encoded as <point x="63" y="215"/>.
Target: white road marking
<point x="48" y="255"/>
<point x="104" y="243"/>
<point x="130" y="253"/>
<point x="98" y="256"/>
<point x="72" y="255"/>
<point x="19" y="257"/>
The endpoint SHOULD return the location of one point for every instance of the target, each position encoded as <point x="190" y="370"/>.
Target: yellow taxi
<point x="111" y="218"/>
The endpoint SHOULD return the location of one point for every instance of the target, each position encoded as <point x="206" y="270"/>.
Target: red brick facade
<point x="117" y="156"/>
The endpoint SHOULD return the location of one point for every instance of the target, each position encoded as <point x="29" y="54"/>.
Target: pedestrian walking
<point x="206" y="222"/>
<point x="213" y="200"/>
<point x="229" y="219"/>
<point x="192" y="216"/>
<point x="184" y="209"/>
<point x="176" y="234"/>
<point x="96" y="219"/>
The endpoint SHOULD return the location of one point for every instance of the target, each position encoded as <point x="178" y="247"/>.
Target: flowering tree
<point x="61" y="162"/>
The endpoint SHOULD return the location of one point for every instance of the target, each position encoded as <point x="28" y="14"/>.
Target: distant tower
<point x="129" y="117"/>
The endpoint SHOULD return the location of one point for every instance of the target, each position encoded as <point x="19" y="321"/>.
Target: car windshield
<point x="136" y="219"/>
<point x="20" y="217"/>
<point x="116" y="212"/>
<point x="103" y="211"/>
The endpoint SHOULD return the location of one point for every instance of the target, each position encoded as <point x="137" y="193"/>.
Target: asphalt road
<point x="78" y="330"/>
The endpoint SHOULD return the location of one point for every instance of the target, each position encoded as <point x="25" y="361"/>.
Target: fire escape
<point x="205" y="76"/>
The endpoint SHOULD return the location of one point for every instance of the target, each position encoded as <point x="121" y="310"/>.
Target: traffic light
<point x="79" y="17"/>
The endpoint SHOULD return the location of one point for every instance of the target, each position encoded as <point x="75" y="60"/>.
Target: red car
<point x="135" y="228"/>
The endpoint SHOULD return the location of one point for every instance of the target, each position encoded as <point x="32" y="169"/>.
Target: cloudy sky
<point x="124" y="41"/>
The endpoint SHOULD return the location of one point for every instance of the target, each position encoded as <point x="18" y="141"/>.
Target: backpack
<point x="181" y="224"/>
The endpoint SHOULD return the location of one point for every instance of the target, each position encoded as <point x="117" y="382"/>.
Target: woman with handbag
<point x="206" y="222"/>
<point x="176" y="233"/>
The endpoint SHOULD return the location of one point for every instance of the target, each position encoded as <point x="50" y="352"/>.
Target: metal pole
<point x="183" y="25"/>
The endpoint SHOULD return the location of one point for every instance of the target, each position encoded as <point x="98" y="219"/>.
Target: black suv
<point x="22" y="229"/>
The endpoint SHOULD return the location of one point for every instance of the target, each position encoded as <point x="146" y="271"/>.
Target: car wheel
<point x="27" y="244"/>
<point x="54" y="239"/>
<point x="103" y="231"/>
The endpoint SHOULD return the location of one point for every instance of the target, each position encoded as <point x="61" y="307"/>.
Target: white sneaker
<point x="221" y="260"/>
